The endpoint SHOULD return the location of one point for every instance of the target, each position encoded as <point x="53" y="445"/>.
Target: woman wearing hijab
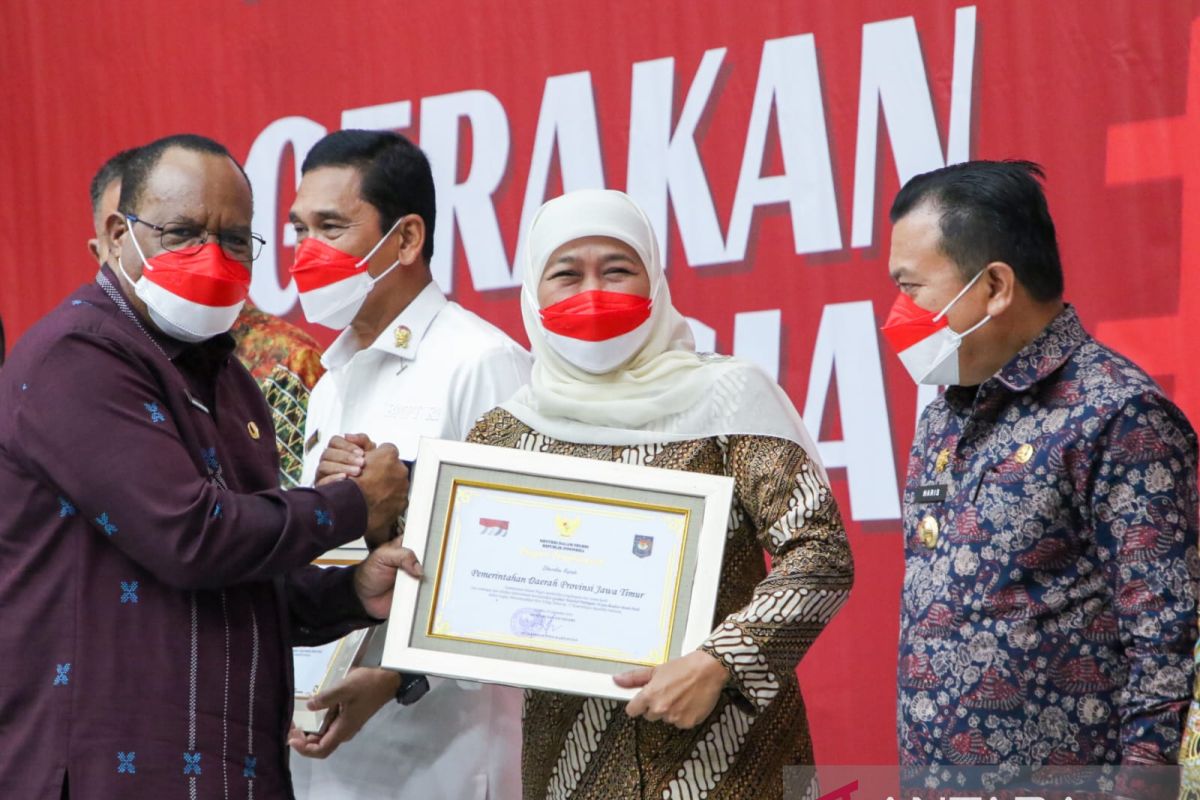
<point x="616" y="378"/>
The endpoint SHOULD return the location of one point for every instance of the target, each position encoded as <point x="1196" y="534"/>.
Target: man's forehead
<point x="916" y="251"/>
<point x="924" y="220"/>
<point x="192" y="183"/>
<point x="331" y="188"/>
<point x="916" y="232"/>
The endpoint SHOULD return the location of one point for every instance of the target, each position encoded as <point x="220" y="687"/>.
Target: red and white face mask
<point x="923" y="339"/>
<point x="333" y="284"/>
<point x="597" y="331"/>
<point x="194" y="296"/>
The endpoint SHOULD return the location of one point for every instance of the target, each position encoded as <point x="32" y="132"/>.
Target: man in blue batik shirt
<point x="1048" y="610"/>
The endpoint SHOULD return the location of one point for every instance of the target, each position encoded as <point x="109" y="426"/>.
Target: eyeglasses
<point x="188" y="238"/>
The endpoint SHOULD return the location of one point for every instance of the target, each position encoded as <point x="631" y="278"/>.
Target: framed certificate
<point x="319" y="668"/>
<point x="554" y="572"/>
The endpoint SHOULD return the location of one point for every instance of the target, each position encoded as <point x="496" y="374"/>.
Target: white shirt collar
<point x="416" y="317"/>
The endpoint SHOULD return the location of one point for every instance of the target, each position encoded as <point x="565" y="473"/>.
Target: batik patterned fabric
<point x="1048" y="612"/>
<point x="286" y="363"/>
<point x="1189" y="753"/>
<point x="287" y="396"/>
<point x="1189" y="788"/>
<point x="587" y="749"/>
<point x="264" y="340"/>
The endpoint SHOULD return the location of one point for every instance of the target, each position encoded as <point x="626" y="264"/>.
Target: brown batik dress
<point x="587" y="749"/>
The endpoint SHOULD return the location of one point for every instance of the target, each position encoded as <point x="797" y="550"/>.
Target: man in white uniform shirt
<point x="409" y="363"/>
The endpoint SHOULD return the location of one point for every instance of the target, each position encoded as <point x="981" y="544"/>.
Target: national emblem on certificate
<point x="554" y="572"/>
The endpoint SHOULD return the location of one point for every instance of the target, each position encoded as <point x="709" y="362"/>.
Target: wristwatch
<point x="412" y="688"/>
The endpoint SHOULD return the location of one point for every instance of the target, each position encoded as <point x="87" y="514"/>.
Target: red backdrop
<point x="768" y="136"/>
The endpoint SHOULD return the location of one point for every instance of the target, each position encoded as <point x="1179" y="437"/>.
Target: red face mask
<point x="596" y="315"/>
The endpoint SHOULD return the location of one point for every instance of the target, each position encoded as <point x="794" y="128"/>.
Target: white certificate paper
<point x="559" y="573"/>
<point x="311" y="665"/>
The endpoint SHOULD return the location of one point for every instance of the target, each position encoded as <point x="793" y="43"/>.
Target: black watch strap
<point x="412" y="688"/>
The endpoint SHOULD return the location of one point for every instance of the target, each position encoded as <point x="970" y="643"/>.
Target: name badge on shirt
<point x="933" y="493"/>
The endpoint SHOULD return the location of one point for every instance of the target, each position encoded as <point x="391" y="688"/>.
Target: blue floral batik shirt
<point x="1048" y="612"/>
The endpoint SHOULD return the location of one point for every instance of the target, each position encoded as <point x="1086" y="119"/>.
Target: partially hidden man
<point x="1048" y="612"/>
<point x="152" y="573"/>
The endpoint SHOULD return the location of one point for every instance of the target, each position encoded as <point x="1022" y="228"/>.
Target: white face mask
<point x="333" y="285"/>
<point x="933" y="357"/>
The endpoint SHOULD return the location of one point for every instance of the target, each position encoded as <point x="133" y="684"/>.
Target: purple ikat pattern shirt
<point x="152" y="573"/>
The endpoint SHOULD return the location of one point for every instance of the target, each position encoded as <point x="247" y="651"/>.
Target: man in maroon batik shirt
<point x="152" y="574"/>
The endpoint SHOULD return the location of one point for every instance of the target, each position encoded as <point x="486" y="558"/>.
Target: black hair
<point x="145" y="158"/>
<point x="396" y="178"/>
<point x="991" y="211"/>
<point x="111" y="170"/>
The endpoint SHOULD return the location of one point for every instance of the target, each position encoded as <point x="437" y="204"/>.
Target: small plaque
<point x="317" y="669"/>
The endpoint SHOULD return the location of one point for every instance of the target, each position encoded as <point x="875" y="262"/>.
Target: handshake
<point x="383" y="479"/>
<point x="380" y="474"/>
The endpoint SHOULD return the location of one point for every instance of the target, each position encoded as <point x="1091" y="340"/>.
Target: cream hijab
<point x="666" y="392"/>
